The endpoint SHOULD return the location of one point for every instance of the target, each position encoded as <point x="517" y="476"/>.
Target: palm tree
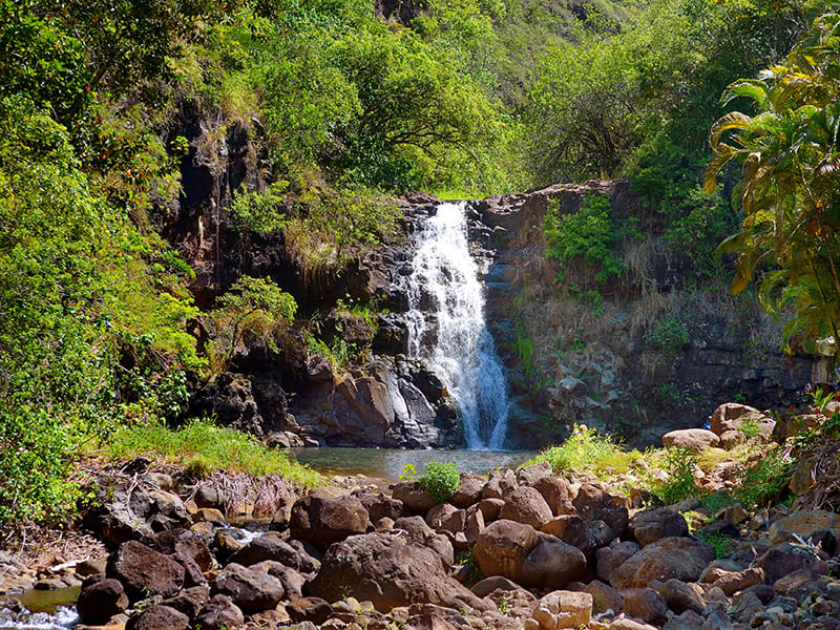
<point x="790" y="186"/>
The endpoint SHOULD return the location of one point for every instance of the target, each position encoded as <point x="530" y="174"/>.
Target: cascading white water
<point x="446" y="325"/>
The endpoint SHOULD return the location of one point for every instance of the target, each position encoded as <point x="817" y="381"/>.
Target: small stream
<point x="39" y="610"/>
<point x="389" y="464"/>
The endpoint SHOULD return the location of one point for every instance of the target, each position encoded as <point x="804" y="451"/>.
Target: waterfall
<point x="446" y="325"/>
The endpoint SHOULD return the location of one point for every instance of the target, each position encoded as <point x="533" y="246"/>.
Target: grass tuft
<point x="202" y="447"/>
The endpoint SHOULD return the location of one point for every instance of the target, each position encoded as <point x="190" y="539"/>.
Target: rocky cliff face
<point x="567" y="361"/>
<point x="600" y="365"/>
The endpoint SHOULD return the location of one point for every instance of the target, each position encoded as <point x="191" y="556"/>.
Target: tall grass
<point x="586" y="450"/>
<point x="202" y="447"/>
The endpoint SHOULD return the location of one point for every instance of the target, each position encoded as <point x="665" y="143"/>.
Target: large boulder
<point x="561" y="609"/>
<point x="526" y="556"/>
<point x="388" y="572"/>
<point x="159" y="618"/>
<point x="218" y="613"/>
<point x="646" y="604"/>
<point x="183" y="541"/>
<point x="269" y="546"/>
<point x="557" y="492"/>
<point x="526" y="505"/>
<point x="529" y="475"/>
<point x="469" y="491"/>
<point x="728" y="419"/>
<point x="678" y="558"/>
<point x="101" y="600"/>
<point x="323" y="521"/>
<point x="414" y="496"/>
<point x="592" y="504"/>
<point x="692" y="439"/>
<point x="609" y="559"/>
<point x="145" y="572"/>
<point x="650" y="525"/>
<point x="250" y="589"/>
<point x="446" y="517"/>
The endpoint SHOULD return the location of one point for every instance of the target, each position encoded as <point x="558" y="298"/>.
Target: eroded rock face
<point x="386" y="571"/>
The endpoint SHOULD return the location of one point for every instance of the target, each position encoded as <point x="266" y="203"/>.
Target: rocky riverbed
<point x="513" y="549"/>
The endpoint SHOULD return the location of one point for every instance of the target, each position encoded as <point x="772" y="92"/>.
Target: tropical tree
<point x="790" y="186"/>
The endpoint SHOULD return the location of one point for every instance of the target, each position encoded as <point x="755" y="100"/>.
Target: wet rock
<point x="592" y="503"/>
<point x="144" y="571"/>
<point x="693" y="439"/>
<point x="219" y="613"/>
<point x="323" y="522"/>
<point x="249" y="589"/>
<point x="650" y="525"/>
<point x="102" y="600"/>
<point x="384" y="569"/>
<point x="159" y="618"/>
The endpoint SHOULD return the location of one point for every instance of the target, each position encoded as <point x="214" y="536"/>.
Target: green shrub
<point x="721" y="544"/>
<point x="670" y="335"/>
<point x="765" y="482"/>
<point x="679" y="463"/>
<point x="589" y="235"/>
<point x="585" y="449"/>
<point x="441" y="479"/>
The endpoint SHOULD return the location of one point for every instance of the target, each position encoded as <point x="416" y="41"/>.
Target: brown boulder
<point x="650" y="525"/>
<point x="269" y="546"/>
<point x="785" y="558"/>
<point x="414" y="496"/>
<point x="808" y="524"/>
<point x="183" y="541"/>
<point x="646" y="604"/>
<point x="323" y="522"/>
<point x="517" y="551"/>
<point x="693" y="439"/>
<point x="592" y="503"/>
<point x="604" y="597"/>
<point x="562" y="609"/>
<point x="681" y="596"/>
<point x="218" y="613"/>
<point x="529" y="475"/>
<point x="609" y="559"/>
<point x="249" y="589"/>
<point x="556" y="491"/>
<point x="679" y="558"/>
<point x="190" y="601"/>
<point x="291" y="580"/>
<point x="384" y="570"/>
<point x="500" y="485"/>
<point x="469" y="491"/>
<point x="446" y="517"/>
<point x="312" y="609"/>
<point x="101" y="600"/>
<point x="490" y="508"/>
<point x="526" y="505"/>
<point x="572" y="530"/>
<point x="159" y="618"/>
<point x="145" y="572"/>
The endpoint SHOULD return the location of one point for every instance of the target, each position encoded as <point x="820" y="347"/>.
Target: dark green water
<point x="389" y="464"/>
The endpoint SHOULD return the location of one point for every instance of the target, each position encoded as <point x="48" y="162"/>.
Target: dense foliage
<point x="97" y="332"/>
